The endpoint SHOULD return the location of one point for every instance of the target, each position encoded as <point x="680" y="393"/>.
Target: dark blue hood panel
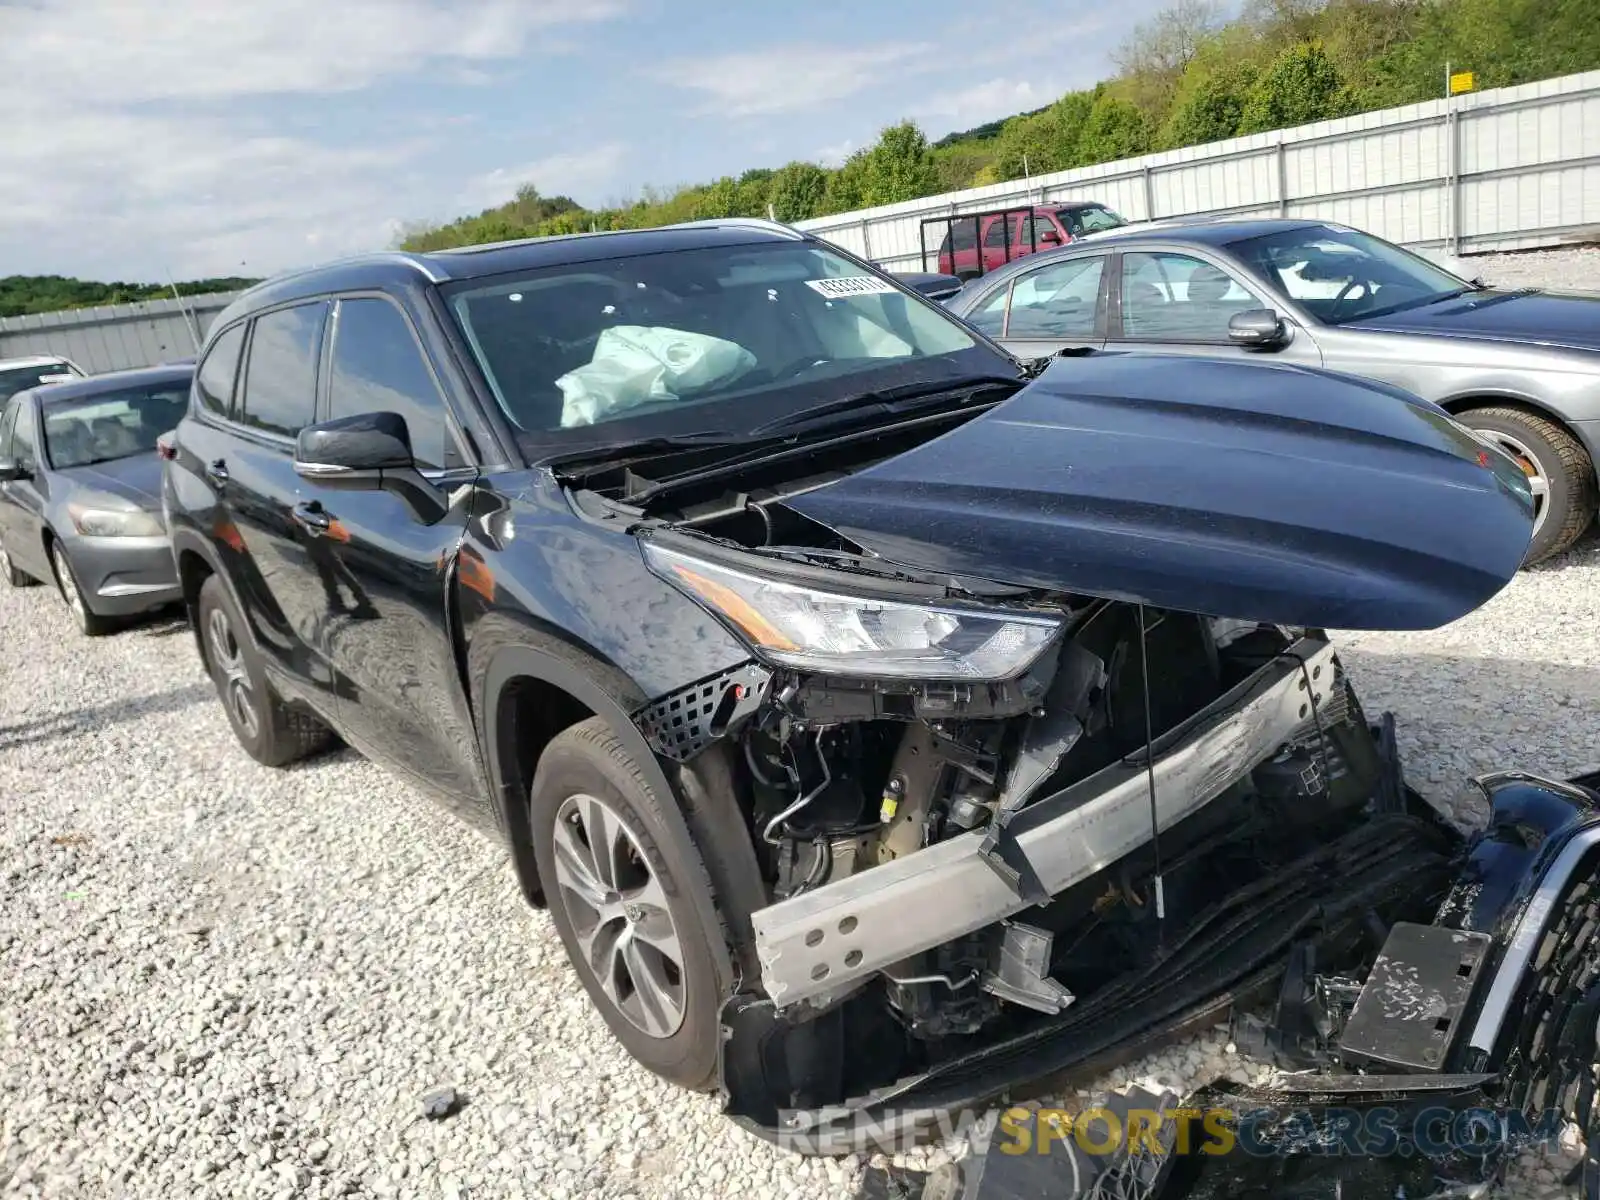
<point x="1549" y="318"/>
<point x="1244" y="490"/>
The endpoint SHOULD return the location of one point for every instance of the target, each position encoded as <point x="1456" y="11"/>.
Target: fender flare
<point x="568" y="673"/>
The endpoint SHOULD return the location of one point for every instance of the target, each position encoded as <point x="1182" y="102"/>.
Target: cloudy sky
<point x="216" y="137"/>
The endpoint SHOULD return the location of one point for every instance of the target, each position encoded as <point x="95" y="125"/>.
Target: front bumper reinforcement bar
<point x="816" y="943"/>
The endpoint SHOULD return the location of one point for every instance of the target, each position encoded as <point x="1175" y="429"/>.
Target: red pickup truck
<point x="977" y="242"/>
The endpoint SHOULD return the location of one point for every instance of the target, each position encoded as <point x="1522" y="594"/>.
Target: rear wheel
<point x="10" y="573"/>
<point x="89" y="623"/>
<point x="270" y="732"/>
<point x="1559" y="472"/>
<point x="626" y="891"/>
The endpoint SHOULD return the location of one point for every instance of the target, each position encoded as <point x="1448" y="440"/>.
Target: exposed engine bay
<point x="1160" y="819"/>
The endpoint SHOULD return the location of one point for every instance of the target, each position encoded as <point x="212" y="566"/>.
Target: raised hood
<point x="1238" y="489"/>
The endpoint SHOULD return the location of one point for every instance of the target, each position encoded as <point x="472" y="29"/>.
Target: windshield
<point x="18" y="379"/>
<point x="1093" y="218"/>
<point x="95" y="429"/>
<point x="1339" y="275"/>
<point x="717" y="339"/>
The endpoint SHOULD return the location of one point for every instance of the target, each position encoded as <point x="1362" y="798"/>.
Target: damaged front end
<point x="1023" y="805"/>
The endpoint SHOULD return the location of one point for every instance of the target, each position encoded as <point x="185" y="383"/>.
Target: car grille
<point x="1552" y="1060"/>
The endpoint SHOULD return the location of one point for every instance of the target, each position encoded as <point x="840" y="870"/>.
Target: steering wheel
<point x="1344" y="292"/>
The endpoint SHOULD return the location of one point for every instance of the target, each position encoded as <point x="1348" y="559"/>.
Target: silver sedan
<point x="1521" y="368"/>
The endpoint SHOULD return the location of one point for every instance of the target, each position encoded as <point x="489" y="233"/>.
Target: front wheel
<point x="1559" y="472"/>
<point x="89" y="623"/>
<point x="626" y="891"/>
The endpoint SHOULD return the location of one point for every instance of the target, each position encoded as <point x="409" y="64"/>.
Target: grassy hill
<point x="1185" y="78"/>
<point x="23" y="294"/>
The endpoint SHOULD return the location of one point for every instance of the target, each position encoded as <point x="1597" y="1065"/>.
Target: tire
<point x="1557" y="458"/>
<point x="271" y="732"/>
<point x="89" y="623"/>
<point x="10" y="573"/>
<point x="587" y="792"/>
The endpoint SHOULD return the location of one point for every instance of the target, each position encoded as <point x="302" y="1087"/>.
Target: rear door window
<point x="280" y="384"/>
<point x="1058" y="301"/>
<point x="217" y="373"/>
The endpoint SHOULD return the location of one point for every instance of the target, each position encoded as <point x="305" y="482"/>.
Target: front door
<point x="387" y="564"/>
<point x="1176" y="303"/>
<point x="22" y="501"/>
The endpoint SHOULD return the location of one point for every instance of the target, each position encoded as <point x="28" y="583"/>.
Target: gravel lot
<point x="220" y="980"/>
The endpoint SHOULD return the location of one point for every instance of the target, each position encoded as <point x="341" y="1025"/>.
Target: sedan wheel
<point x="619" y="915"/>
<point x="89" y="623"/>
<point x="1560" y="474"/>
<point x="9" y="572"/>
<point x="1538" y="481"/>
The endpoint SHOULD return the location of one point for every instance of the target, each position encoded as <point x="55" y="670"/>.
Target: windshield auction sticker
<point x="852" y="285"/>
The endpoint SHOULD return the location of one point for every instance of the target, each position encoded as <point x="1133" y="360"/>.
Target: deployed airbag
<point x="642" y="364"/>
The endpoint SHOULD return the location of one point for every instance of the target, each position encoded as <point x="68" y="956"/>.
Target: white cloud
<point x="790" y="78"/>
<point x="129" y="151"/>
<point x="123" y="52"/>
<point x="580" y="174"/>
<point x="988" y="101"/>
<point x="834" y="155"/>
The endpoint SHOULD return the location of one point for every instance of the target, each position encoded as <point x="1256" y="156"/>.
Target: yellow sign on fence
<point x="1460" y="82"/>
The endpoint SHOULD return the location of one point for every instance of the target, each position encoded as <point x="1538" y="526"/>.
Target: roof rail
<point x="743" y="222"/>
<point x="400" y="257"/>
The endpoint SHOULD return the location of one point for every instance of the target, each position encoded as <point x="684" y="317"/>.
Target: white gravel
<point x="221" y="980"/>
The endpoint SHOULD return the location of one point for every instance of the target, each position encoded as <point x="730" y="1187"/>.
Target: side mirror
<point x="1260" y="328"/>
<point x="11" y="470"/>
<point x="1050" y="237"/>
<point x="354" y="451"/>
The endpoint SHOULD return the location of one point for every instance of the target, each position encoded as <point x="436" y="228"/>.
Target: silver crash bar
<point x="814" y="943"/>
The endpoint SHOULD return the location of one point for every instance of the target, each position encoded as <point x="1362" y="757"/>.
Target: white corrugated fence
<point x="1509" y="169"/>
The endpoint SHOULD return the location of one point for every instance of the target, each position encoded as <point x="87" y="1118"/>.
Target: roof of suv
<point x="475" y="262"/>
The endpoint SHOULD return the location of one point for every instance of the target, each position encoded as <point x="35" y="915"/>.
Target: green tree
<point x="847" y="186"/>
<point x="1210" y="108"/>
<point x="797" y="191"/>
<point x="1049" y="140"/>
<point x="1115" y="129"/>
<point x="898" y="166"/>
<point x="720" y="199"/>
<point x="1301" y="86"/>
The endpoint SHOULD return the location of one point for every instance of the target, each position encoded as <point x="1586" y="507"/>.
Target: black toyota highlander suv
<point x="881" y="718"/>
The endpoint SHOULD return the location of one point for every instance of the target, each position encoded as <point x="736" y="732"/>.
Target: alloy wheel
<point x="618" y="911"/>
<point x="1538" y="481"/>
<point x="228" y="659"/>
<point x="69" y="585"/>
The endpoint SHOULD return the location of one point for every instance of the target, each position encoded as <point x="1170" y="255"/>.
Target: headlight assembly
<point x="115" y="522"/>
<point x="830" y="633"/>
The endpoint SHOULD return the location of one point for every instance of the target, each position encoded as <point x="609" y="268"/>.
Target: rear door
<point x="249" y="463"/>
<point x="1056" y="306"/>
<point x="387" y="564"/>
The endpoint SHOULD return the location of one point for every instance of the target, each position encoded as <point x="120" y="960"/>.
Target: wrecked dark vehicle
<point x="885" y="722"/>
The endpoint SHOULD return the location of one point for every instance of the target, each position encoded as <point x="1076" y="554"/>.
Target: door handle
<point x="217" y="472"/>
<point x="311" y="517"/>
